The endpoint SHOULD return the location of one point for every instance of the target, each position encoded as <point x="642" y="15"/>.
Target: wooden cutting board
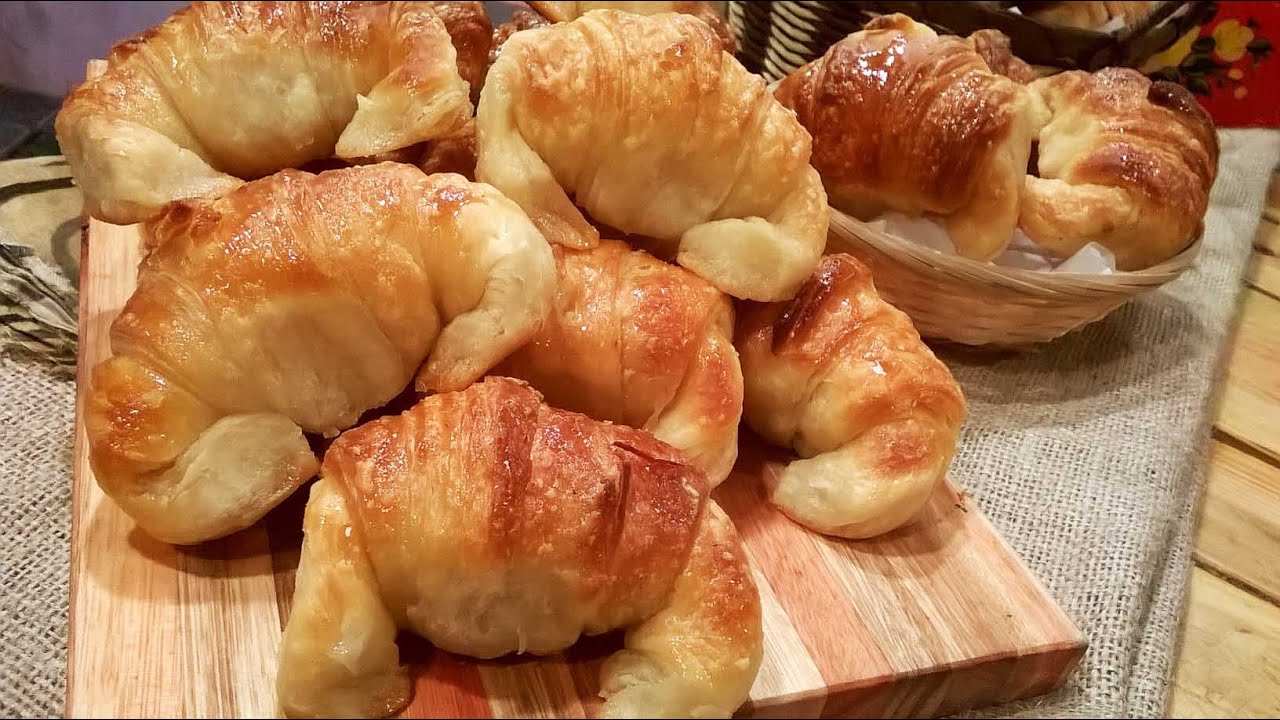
<point x="935" y="618"/>
<point x="932" y="619"/>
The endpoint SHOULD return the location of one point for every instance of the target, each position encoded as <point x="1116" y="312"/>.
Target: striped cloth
<point x="39" y="215"/>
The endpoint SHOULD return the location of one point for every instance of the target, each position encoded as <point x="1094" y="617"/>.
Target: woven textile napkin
<point x="1087" y="455"/>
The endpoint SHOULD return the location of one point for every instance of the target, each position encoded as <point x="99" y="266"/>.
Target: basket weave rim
<point x="1029" y="282"/>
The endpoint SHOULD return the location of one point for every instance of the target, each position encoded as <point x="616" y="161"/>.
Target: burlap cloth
<point x="1088" y="456"/>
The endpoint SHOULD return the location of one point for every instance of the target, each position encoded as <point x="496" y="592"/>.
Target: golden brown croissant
<point x="842" y="377"/>
<point x="637" y="341"/>
<point x="561" y="11"/>
<point x="1124" y="162"/>
<point x="657" y="132"/>
<point x="905" y="120"/>
<point x="490" y="523"/>
<point x="296" y="303"/>
<point x="225" y="91"/>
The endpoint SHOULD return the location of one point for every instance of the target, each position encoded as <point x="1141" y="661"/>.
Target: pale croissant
<point x="292" y="305"/>
<point x="1124" y="162"/>
<point x="904" y="119"/>
<point x="637" y="341"/>
<point x="222" y="92"/>
<point x="490" y="523"/>
<point x="562" y="11"/>
<point x="842" y="377"/>
<point x="654" y="130"/>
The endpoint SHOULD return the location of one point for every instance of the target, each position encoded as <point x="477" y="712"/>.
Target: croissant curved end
<point x="340" y="634"/>
<point x="698" y="657"/>
<point x="237" y="470"/>
<point x="856" y="491"/>
<point x="515" y="301"/>
<point x="766" y="260"/>
<point x="184" y="474"/>
<point x="127" y="171"/>
<point x="843" y="378"/>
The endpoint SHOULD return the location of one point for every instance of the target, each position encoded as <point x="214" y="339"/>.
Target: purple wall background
<point x="44" y="45"/>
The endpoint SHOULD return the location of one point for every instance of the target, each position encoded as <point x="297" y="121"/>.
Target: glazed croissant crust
<point x="637" y="341"/>
<point x="842" y="377"/>
<point x="222" y="92"/>
<point x="655" y="131"/>
<point x="490" y="523"/>
<point x="1123" y="162"/>
<point x="293" y="304"/>
<point x="904" y="119"/>
<point x="562" y="11"/>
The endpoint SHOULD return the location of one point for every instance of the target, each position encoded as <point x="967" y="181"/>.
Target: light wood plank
<point x="146" y="616"/>
<point x="1267" y="238"/>
<point x="1240" y="520"/>
<point x="1230" y="660"/>
<point x="797" y="684"/>
<point x="1250" y="406"/>
<point x="934" y="583"/>
<point x="1264" y="273"/>
<point x="211" y="611"/>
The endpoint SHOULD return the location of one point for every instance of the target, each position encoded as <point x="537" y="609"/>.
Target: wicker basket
<point x="950" y="297"/>
<point x="778" y="37"/>
<point x="975" y="303"/>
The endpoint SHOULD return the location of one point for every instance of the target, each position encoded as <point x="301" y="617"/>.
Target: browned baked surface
<point x="1123" y="162"/>
<point x="904" y="119"/>
<point x="490" y="523"/>
<point x="842" y="377"/>
<point x="641" y="342"/>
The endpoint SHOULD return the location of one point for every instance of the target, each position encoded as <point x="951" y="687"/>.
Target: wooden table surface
<point x="1229" y="665"/>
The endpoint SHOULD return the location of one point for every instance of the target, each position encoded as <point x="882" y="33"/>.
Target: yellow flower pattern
<point x="1174" y="54"/>
<point x="1231" y="39"/>
<point x="1213" y="57"/>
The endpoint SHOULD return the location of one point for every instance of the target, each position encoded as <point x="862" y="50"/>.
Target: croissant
<point x="471" y="33"/>
<point x="657" y="132"/>
<point x="295" y="303"/>
<point x="1089" y="15"/>
<point x="637" y="341"/>
<point x="843" y="378"/>
<point x="222" y="92"/>
<point x="1124" y="162"/>
<point x="490" y="523"/>
<point x="905" y="120"/>
<point x="560" y="11"/>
